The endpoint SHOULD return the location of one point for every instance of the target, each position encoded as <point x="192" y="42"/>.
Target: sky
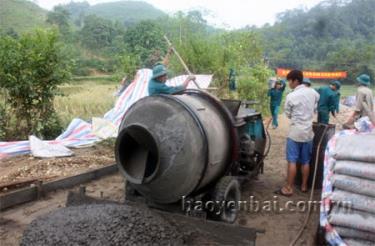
<point x="224" y="13"/>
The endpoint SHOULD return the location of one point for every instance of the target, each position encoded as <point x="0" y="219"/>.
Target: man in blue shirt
<point x="159" y="77"/>
<point x="276" y="95"/>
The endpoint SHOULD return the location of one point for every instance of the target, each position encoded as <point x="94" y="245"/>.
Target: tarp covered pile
<point x="81" y="133"/>
<point x="348" y="196"/>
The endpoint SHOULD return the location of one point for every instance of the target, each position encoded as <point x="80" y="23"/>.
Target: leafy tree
<point x="3" y="122"/>
<point x="31" y="68"/>
<point x="60" y="17"/>
<point x="97" y="32"/>
<point x="77" y="11"/>
<point x="144" y="39"/>
<point x="128" y="64"/>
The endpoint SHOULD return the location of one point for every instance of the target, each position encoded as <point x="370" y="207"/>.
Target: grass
<point x="85" y="99"/>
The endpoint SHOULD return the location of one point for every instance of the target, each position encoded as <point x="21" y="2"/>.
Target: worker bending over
<point x="276" y="94"/>
<point x="300" y="105"/>
<point x="364" y="105"/>
<point x="328" y="102"/>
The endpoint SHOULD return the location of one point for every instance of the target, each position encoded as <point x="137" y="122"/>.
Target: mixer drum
<point x="171" y="146"/>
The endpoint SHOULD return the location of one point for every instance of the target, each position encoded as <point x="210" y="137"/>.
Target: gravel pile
<point x="101" y="224"/>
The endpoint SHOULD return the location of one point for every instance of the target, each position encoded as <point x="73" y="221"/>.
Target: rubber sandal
<point x="280" y="192"/>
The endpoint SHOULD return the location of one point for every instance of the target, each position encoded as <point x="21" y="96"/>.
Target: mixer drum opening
<point x="138" y="154"/>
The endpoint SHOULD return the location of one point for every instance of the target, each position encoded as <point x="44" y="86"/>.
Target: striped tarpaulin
<point x="80" y="133"/>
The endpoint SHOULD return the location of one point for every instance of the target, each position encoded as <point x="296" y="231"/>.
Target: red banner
<point x="281" y="72"/>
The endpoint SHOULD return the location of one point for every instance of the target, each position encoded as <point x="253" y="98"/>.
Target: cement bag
<point x="354" y="185"/>
<point x="44" y="149"/>
<point x="357" y="242"/>
<point x="364" y="124"/>
<point x="358" y="169"/>
<point x="356" y="201"/>
<point x="352" y="218"/>
<point x="355" y="234"/>
<point x="349" y="101"/>
<point x="356" y="148"/>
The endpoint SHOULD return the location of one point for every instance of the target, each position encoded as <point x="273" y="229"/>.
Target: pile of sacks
<point x="353" y="195"/>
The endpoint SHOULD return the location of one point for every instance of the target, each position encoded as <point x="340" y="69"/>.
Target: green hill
<point x="21" y="15"/>
<point x="126" y="12"/>
<point x="333" y="35"/>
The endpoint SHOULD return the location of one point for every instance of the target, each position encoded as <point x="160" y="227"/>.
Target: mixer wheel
<point x="225" y="196"/>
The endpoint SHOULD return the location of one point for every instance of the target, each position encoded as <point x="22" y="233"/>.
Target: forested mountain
<point x="334" y="35"/>
<point x="20" y="16"/>
<point x="125" y="12"/>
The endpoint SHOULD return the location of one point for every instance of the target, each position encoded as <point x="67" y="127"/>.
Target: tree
<point x="328" y="36"/>
<point x="60" y="17"/>
<point x="77" y="11"/>
<point x="31" y="67"/>
<point x="144" y="39"/>
<point x="97" y="33"/>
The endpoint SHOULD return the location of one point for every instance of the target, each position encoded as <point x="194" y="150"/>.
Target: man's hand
<point x="170" y="50"/>
<point x="190" y="78"/>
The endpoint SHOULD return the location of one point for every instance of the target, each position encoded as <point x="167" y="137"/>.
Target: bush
<point x="252" y="85"/>
<point x="31" y="68"/>
<point x="3" y="122"/>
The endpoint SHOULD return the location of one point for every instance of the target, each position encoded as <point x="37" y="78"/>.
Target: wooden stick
<point x="181" y="60"/>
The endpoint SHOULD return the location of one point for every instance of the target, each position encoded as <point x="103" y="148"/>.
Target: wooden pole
<point x="181" y="60"/>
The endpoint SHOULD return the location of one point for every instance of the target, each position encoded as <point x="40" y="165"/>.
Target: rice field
<point x="85" y="99"/>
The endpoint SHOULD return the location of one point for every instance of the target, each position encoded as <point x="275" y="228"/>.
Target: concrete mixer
<point x="191" y="147"/>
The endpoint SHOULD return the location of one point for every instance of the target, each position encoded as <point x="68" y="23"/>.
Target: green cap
<point x="364" y="79"/>
<point x="158" y="70"/>
<point x="337" y="84"/>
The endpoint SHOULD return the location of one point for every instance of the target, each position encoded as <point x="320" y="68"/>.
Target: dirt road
<point x="281" y="225"/>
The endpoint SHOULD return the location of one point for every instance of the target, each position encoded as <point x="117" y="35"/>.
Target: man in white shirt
<point x="300" y="106"/>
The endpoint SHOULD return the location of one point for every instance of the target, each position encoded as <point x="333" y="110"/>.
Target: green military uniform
<point x="276" y="97"/>
<point x="232" y="80"/>
<point x="157" y="87"/>
<point x="327" y="103"/>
